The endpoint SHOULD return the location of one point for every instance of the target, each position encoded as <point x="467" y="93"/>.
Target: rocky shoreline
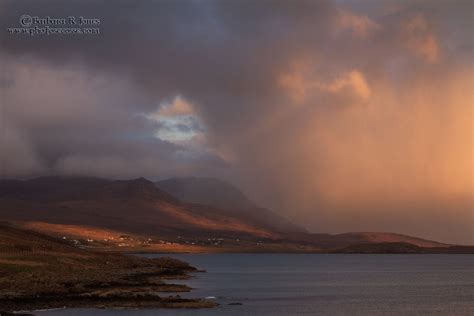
<point x="40" y="272"/>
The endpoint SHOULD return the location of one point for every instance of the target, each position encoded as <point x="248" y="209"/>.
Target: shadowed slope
<point x="226" y="197"/>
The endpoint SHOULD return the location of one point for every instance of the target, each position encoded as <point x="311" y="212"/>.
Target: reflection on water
<point x="321" y="284"/>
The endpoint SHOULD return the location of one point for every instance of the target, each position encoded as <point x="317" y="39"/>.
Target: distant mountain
<point x="402" y="247"/>
<point x="338" y="241"/>
<point x="57" y="189"/>
<point x="228" y="198"/>
<point x="136" y="205"/>
<point x="142" y="207"/>
<point x="207" y="191"/>
<point x="380" y="237"/>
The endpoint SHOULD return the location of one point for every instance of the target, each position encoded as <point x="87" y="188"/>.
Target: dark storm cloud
<point x="198" y="47"/>
<point x="220" y="55"/>
<point x="68" y="121"/>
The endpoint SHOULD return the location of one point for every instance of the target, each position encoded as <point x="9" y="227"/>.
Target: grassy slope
<point x="110" y="240"/>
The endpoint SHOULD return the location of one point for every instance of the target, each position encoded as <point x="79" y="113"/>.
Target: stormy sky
<point x="341" y="115"/>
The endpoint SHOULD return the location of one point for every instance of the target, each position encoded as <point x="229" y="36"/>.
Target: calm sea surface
<point x="320" y="284"/>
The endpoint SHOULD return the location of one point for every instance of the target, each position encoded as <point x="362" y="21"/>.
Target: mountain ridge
<point x="137" y="206"/>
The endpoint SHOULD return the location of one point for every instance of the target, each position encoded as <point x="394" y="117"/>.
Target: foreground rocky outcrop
<point x="37" y="272"/>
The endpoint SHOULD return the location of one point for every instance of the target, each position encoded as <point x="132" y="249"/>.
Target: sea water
<point x="322" y="284"/>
